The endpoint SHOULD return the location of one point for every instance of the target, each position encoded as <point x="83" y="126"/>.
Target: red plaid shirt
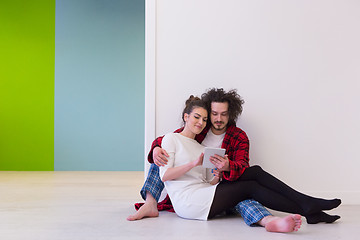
<point x="236" y="144"/>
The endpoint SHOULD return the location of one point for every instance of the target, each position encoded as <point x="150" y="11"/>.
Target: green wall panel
<point x="27" y="63"/>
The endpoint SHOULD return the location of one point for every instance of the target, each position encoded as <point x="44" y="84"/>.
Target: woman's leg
<point x="309" y="205"/>
<point x="228" y="194"/>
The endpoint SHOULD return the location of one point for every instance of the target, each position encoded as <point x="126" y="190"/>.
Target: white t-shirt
<point x="212" y="140"/>
<point x="191" y="194"/>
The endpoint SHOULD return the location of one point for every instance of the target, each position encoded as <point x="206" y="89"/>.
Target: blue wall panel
<point x="99" y="85"/>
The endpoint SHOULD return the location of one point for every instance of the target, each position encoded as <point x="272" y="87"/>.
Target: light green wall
<point x="27" y="61"/>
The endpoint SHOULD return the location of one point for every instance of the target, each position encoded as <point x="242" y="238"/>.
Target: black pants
<point x="257" y="184"/>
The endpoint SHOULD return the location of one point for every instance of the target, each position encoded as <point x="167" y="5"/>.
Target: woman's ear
<point x="186" y="117"/>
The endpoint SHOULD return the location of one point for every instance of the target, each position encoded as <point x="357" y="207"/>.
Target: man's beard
<point x="220" y="127"/>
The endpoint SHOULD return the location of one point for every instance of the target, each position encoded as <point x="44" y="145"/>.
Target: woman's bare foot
<point x="146" y="210"/>
<point x="286" y="224"/>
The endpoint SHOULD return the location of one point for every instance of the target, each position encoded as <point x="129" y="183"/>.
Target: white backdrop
<point x="295" y="63"/>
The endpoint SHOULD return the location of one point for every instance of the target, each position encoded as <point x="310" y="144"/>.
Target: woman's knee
<point x="254" y="170"/>
<point x="256" y="167"/>
<point x="252" y="173"/>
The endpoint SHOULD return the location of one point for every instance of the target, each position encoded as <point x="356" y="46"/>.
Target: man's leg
<point x="256" y="214"/>
<point x="252" y="211"/>
<point x="150" y="192"/>
<point x="153" y="184"/>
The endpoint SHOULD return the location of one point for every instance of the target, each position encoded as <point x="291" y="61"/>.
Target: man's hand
<point x="160" y="156"/>
<point x="221" y="163"/>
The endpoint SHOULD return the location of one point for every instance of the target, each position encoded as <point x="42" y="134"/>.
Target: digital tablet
<point x="208" y="152"/>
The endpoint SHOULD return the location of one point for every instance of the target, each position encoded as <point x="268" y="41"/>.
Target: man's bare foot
<point x="286" y="224"/>
<point x="146" y="210"/>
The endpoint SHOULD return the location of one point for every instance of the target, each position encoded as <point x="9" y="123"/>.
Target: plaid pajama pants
<point x="251" y="210"/>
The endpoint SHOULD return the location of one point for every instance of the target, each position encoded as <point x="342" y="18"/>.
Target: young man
<point x="221" y="131"/>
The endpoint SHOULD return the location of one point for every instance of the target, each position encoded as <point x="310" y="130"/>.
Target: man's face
<point x="219" y="117"/>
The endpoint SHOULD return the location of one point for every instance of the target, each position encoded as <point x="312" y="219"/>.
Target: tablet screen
<point x="208" y="152"/>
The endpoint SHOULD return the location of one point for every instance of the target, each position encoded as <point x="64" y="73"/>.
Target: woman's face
<point x="196" y="120"/>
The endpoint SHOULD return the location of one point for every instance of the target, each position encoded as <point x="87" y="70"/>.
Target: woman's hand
<point x="217" y="173"/>
<point x="176" y="172"/>
<point x="199" y="161"/>
<point x="217" y="176"/>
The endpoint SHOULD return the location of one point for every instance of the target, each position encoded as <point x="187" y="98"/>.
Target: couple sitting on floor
<point x="200" y="193"/>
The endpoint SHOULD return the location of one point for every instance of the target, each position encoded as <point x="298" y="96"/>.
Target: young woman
<point x="196" y="196"/>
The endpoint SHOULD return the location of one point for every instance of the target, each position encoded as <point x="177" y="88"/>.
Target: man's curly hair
<point x="231" y="97"/>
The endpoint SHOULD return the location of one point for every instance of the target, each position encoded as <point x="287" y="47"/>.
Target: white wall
<point x="295" y="63"/>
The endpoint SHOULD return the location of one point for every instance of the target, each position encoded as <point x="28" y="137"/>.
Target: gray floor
<point x="94" y="205"/>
